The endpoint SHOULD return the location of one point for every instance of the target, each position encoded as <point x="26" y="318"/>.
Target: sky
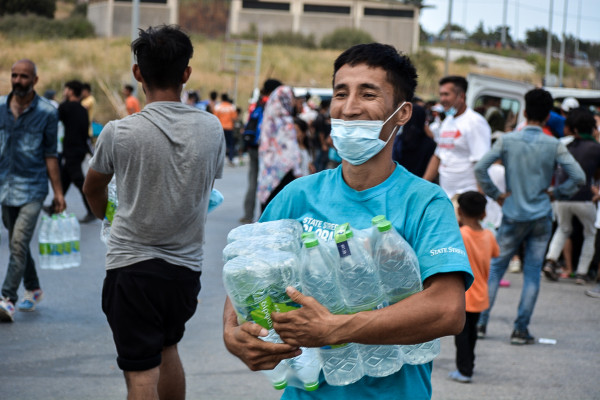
<point x="521" y="16"/>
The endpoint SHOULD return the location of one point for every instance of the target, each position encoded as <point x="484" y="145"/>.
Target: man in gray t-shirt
<point x="165" y="159"/>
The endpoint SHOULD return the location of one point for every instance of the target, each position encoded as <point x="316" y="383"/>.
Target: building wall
<point x="387" y="22"/>
<point x="113" y="18"/>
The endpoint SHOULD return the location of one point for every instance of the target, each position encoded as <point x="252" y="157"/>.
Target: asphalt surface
<point x="64" y="349"/>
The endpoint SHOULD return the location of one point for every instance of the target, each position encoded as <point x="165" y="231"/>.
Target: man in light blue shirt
<point x="529" y="157"/>
<point x="28" y="157"/>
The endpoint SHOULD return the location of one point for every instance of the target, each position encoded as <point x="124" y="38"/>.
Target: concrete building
<point x="113" y="17"/>
<point x="387" y="21"/>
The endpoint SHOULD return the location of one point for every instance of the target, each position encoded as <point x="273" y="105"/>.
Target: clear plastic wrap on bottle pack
<point x="250" y="245"/>
<point x="287" y="227"/>
<point x="111" y="209"/>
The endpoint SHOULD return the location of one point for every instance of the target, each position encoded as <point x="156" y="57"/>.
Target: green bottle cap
<point x="280" y="385"/>
<point x="342" y="228"/>
<point x="384" y="226"/>
<point x="340" y="237"/>
<point x="311" y="242"/>
<point x="307" y="235"/>
<point x="310" y="387"/>
<point x="55" y="216"/>
<point x="377" y="219"/>
<point x="349" y="234"/>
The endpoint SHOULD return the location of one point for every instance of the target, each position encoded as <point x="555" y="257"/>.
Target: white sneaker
<point x="7" y="310"/>
<point x="514" y="266"/>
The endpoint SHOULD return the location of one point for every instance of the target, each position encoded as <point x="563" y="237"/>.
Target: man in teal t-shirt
<point x="372" y="84"/>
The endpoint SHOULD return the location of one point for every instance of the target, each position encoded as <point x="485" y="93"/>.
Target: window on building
<point x="265" y="5"/>
<point x="391" y="13"/>
<point x="314" y="8"/>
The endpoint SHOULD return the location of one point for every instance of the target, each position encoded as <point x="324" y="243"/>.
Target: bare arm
<point x="432" y="168"/>
<point x="438" y="310"/>
<point x="54" y="174"/>
<point x="95" y="191"/>
<point x="242" y="341"/>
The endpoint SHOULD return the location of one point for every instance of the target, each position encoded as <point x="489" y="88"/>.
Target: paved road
<point x="64" y="350"/>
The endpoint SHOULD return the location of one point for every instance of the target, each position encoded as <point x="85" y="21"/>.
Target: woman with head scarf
<point x="279" y="154"/>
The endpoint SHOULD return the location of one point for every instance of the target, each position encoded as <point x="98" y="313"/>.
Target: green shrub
<point x="290" y="39"/>
<point x="467" y="60"/>
<point x="344" y="38"/>
<point x="35" y="27"/>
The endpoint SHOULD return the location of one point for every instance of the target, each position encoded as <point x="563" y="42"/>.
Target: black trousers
<point x="70" y="172"/>
<point x="465" y="345"/>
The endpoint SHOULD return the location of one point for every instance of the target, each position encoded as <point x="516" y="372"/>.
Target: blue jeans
<point x="20" y="222"/>
<point x="535" y="234"/>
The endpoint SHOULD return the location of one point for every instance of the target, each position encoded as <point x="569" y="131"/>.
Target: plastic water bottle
<point x="288" y="227"/>
<point x="44" y="242"/>
<point x="362" y="290"/>
<point x="400" y="277"/>
<point x="111" y="209"/>
<point x="247" y="281"/>
<point x="75" y="241"/>
<point x="250" y="245"/>
<point x="397" y="264"/>
<point x="65" y="229"/>
<point x="307" y="367"/>
<point x="341" y="363"/>
<point x="56" y="243"/>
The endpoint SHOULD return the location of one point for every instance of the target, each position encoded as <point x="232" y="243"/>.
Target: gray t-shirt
<point x="165" y="159"/>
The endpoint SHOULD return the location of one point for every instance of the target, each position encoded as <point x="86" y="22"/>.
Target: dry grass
<point x="109" y="60"/>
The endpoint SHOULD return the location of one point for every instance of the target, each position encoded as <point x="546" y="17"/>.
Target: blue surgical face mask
<point x="451" y="112"/>
<point x="358" y="141"/>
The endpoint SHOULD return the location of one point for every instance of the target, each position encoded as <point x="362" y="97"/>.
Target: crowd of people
<point x="372" y="149"/>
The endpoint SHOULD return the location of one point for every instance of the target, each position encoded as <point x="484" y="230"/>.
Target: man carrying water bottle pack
<point x="372" y="89"/>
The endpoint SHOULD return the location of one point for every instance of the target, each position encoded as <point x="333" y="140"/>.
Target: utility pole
<point x="447" y="63"/>
<point x="135" y="23"/>
<point x="503" y="37"/>
<point x="549" y="44"/>
<point x="561" y="66"/>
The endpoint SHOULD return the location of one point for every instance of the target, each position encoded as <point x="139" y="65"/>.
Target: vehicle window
<point x="500" y="112"/>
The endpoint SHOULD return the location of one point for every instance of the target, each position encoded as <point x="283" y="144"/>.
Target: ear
<point x="186" y="74"/>
<point x="137" y="74"/>
<point x="404" y="114"/>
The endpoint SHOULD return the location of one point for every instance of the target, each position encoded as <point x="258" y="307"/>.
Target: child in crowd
<point x="481" y="247"/>
<point x="306" y="164"/>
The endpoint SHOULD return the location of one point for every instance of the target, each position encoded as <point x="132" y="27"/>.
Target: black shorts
<point x="147" y="305"/>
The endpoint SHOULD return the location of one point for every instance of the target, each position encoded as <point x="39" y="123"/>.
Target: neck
<point x="460" y="110"/>
<point x="535" y="123"/>
<point x="24" y="101"/>
<point x="170" y="94"/>
<point x="372" y="173"/>
<point x="472" y="223"/>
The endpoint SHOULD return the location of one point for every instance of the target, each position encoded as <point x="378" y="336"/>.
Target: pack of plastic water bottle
<point x="59" y="237"/>
<point x="361" y="270"/>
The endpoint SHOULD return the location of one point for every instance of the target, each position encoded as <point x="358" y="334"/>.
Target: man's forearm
<point x="54" y="174"/>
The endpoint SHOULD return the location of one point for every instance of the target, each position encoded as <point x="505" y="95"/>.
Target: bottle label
<point x="334" y="346"/>
<point x="75" y="246"/>
<point x="44" y="249"/>
<point x="343" y="249"/>
<point x="109" y="213"/>
<point x="67" y="247"/>
<point x="60" y="249"/>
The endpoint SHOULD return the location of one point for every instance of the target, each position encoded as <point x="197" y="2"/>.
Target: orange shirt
<point x="132" y="104"/>
<point x="481" y="247"/>
<point x="227" y="114"/>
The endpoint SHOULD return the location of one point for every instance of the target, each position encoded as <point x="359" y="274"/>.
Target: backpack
<point x="252" y="129"/>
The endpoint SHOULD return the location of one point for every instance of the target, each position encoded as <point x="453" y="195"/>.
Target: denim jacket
<point x="529" y="158"/>
<point x="25" y="143"/>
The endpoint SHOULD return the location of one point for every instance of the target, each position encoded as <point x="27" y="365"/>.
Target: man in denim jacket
<point x="529" y="158"/>
<point x="28" y="125"/>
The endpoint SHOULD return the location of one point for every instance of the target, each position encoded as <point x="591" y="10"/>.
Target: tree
<point x="45" y="8"/>
<point x="537" y="38"/>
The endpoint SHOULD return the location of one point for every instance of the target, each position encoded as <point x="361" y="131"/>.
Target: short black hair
<point x="86" y="86"/>
<point x="213" y="95"/>
<point x="458" y="81"/>
<point x="129" y="88"/>
<point x="193" y="95"/>
<point x="401" y="74"/>
<point x="76" y="86"/>
<point x="582" y="120"/>
<point x="224" y="97"/>
<point x="472" y="204"/>
<point x="162" y="53"/>
<point x="538" y="103"/>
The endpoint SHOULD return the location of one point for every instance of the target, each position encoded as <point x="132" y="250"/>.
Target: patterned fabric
<point x="278" y="151"/>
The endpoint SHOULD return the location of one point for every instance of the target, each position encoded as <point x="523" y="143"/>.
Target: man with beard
<point x="28" y="156"/>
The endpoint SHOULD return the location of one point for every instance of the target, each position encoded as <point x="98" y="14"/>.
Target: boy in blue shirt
<point x="373" y="85"/>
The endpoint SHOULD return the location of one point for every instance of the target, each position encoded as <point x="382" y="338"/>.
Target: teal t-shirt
<point x="419" y="210"/>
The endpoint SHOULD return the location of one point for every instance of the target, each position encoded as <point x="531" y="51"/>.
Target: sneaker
<point x="481" y="331"/>
<point x="549" y="270"/>
<point x="458" y="377"/>
<point x="30" y="299"/>
<point x="245" y="220"/>
<point x="87" y="218"/>
<point x="7" y="310"/>
<point x="514" y="266"/>
<point x="521" y="337"/>
<point x="581" y="279"/>
<point x="594" y="292"/>
<point x="504" y="283"/>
